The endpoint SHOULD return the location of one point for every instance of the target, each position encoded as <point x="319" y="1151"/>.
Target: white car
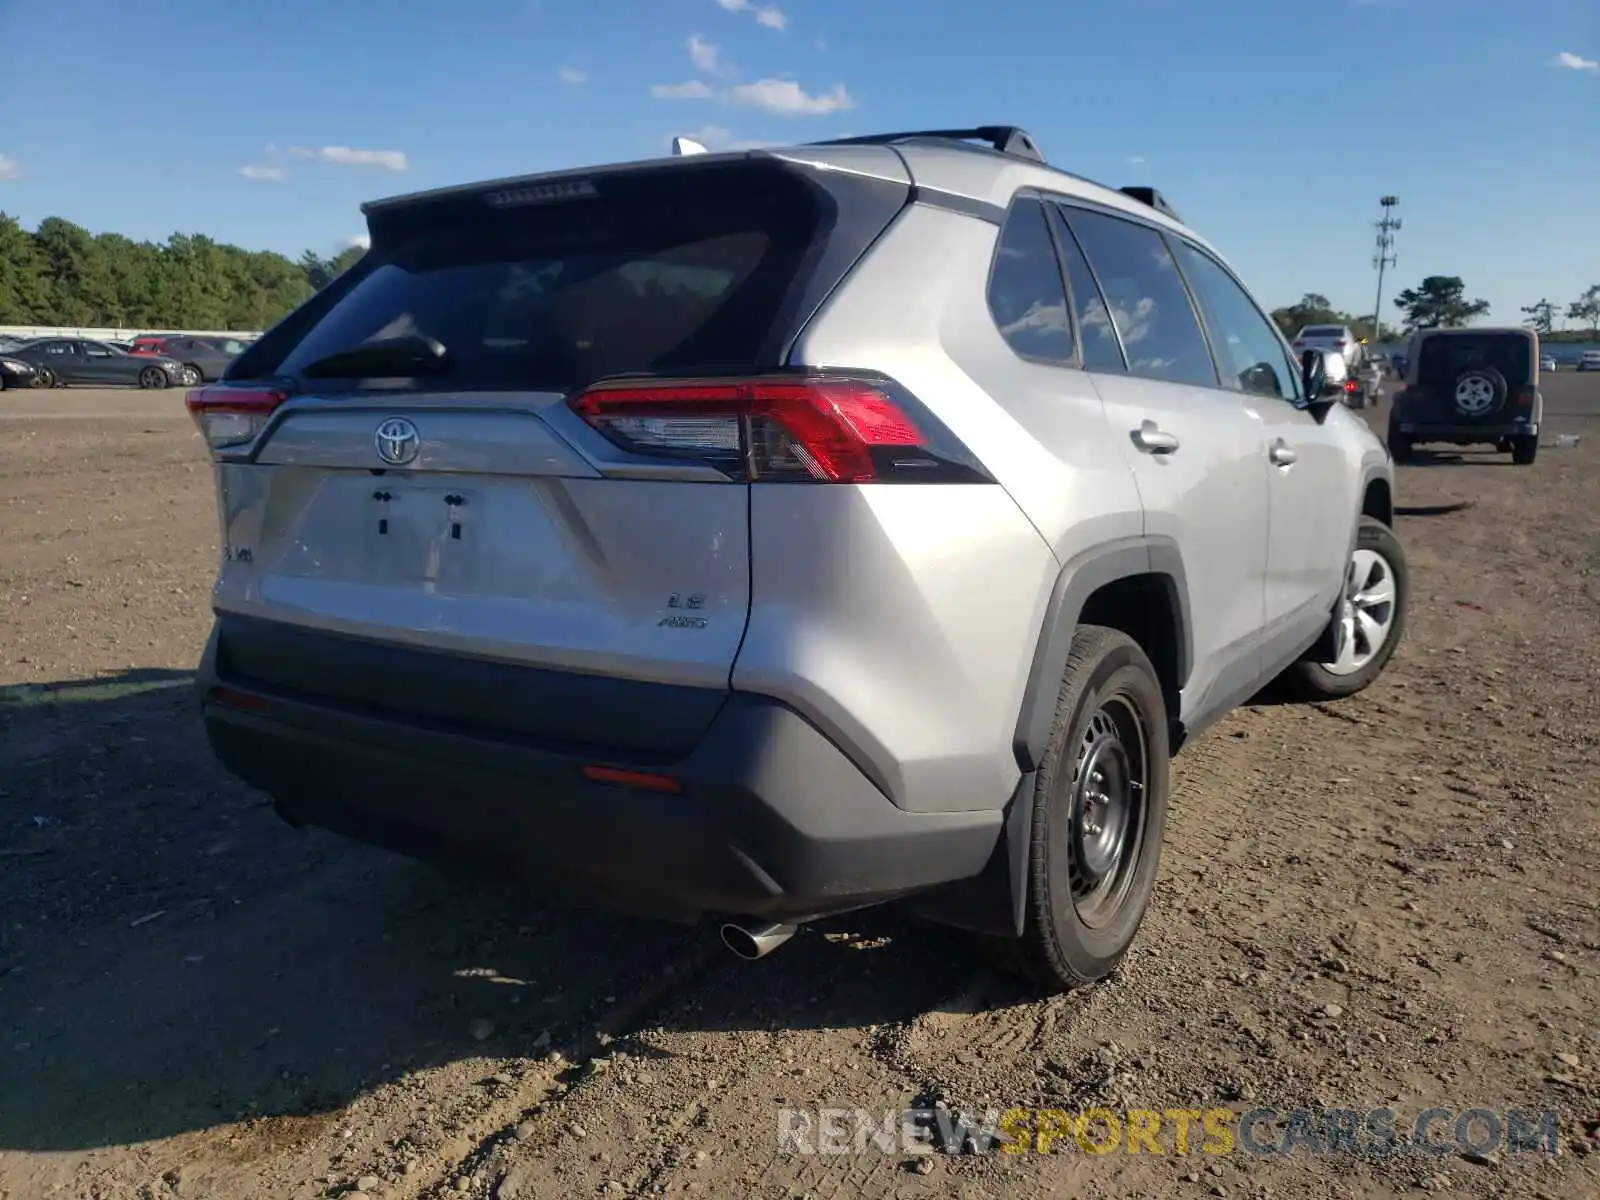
<point x="1589" y="360"/>
<point x="1337" y="339"/>
<point x="1547" y="362"/>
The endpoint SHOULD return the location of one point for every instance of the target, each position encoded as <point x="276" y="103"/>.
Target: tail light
<point x="229" y="417"/>
<point x="1525" y="398"/>
<point x="1350" y="385"/>
<point x="797" y="429"/>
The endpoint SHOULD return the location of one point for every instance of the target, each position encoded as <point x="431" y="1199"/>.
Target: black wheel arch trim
<point x="1079" y="579"/>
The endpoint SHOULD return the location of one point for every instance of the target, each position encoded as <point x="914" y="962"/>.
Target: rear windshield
<point x="1444" y="357"/>
<point x="671" y="272"/>
<point x="1324" y="331"/>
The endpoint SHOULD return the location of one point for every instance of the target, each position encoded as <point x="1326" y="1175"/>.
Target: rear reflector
<point x="233" y="699"/>
<point x="231" y="416"/>
<point x="798" y="429"/>
<point x="647" y="780"/>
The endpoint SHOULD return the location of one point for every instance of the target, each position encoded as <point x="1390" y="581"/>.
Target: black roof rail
<point x="1153" y="198"/>
<point x="1007" y="139"/>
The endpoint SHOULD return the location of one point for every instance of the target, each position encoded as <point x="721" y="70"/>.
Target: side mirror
<point x="1320" y="391"/>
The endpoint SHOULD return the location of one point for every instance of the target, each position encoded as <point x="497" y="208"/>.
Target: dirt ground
<point x="1387" y="902"/>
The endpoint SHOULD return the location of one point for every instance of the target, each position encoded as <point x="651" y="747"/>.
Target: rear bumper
<point x="772" y="821"/>
<point x="1426" y="431"/>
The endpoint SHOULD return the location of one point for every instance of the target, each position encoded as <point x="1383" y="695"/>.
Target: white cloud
<point x="769" y="15"/>
<point x="693" y="90"/>
<point x="787" y="98"/>
<point x="1137" y="160"/>
<point x="571" y="76"/>
<point x="10" y="168"/>
<point x="393" y="160"/>
<point x="1574" y="62"/>
<point x="821" y="44"/>
<point x="707" y="58"/>
<point x="359" y="239"/>
<point x="268" y="174"/>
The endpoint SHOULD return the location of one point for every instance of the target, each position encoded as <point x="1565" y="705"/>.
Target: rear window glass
<point x="1443" y="357"/>
<point x="668" y="274"/>
<point x="1324" y="331"/>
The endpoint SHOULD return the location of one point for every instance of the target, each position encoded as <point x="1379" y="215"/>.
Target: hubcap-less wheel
<point x="1366" y="613"/>
<point x="1108" y="808"/>
<point x="152" y="377"/>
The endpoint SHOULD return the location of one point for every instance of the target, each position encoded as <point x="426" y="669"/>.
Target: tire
<point x="1479" y="393"/>
<point x="1109" y="711"/>
<point x="1524" y="449"/>
<point x="1312" y="681"/>
<point x="44" y="378"/>
<point x="153" y="377"/>
<point x="1400" y="445"/>
<point x="192" y="376"/>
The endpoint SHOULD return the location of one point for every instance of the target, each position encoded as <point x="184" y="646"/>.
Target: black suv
<point x="1470" y="386"/>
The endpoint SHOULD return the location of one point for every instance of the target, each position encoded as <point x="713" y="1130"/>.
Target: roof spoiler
<point x="1006" y="139"/>
<point x="1154" y="199"/>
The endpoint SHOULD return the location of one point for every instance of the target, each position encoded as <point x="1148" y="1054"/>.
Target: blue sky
<point x="267" y="122"/>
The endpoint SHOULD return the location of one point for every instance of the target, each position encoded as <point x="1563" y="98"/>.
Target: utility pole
<point x="1384" y="257"/>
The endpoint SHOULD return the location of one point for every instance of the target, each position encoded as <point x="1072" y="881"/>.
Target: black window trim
<point x="1017" y="198"/>
<point x="1165" y="234"/>
<point x="1283" y="342"/>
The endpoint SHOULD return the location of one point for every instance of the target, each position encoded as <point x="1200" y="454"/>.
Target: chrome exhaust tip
<point x="754" y="941"/>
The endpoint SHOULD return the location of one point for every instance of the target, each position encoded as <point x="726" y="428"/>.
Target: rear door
<point x="468" y="507"/>
<point x="1196" y="452"/>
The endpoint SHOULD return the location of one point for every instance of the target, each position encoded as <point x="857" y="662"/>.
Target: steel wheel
<point x="152" y="377"/>
<point x="1366" y="613"/>
<point x="1109" y="783"/>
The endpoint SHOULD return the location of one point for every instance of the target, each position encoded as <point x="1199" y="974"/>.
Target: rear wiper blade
<point x="399" y="358"/>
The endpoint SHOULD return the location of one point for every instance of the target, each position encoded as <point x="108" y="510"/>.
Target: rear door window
<point x="1147" y="297"/>
<point x="667" y="274"/>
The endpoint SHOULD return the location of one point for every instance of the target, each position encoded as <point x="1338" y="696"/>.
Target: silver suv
<point x="772" y="534"/>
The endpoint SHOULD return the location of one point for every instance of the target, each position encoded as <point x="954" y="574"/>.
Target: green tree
<point x="1440" y="300"/>
<point x="1586" y="308"/>
<point x="25" y="293"/>
<point x="1541" y="316"/>
<point x="1312" y="309"/>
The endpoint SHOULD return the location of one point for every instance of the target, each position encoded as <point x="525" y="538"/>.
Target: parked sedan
<point x="14" y="373"/>
<point x="59" y="361"/>
<point x="204" y="359"/>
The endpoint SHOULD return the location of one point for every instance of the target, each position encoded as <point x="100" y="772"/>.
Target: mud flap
<point x="993" y="900"/>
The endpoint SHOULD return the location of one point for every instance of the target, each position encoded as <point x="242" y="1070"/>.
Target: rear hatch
<point x="1471" y="378"/>
<point x="402" y="469"/>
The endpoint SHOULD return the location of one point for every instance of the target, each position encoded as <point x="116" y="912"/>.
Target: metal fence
<point x="117" y="335"/>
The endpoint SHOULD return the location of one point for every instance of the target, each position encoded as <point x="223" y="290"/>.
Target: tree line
<point x="61" y="274"/>
<point x="1441" y="300"/>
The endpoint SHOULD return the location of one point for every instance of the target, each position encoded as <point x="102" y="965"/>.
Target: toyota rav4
<point x="776" y="533"/>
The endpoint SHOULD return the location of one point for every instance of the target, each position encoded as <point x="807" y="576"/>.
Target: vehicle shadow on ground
<point x="175" y="957"/>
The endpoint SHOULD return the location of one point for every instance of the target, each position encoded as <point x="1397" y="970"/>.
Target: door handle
<point x="1281" y="454"/>
<point x="1154" y="440"/>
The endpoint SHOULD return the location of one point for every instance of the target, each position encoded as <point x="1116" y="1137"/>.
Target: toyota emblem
<point x="397" y="441"/>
